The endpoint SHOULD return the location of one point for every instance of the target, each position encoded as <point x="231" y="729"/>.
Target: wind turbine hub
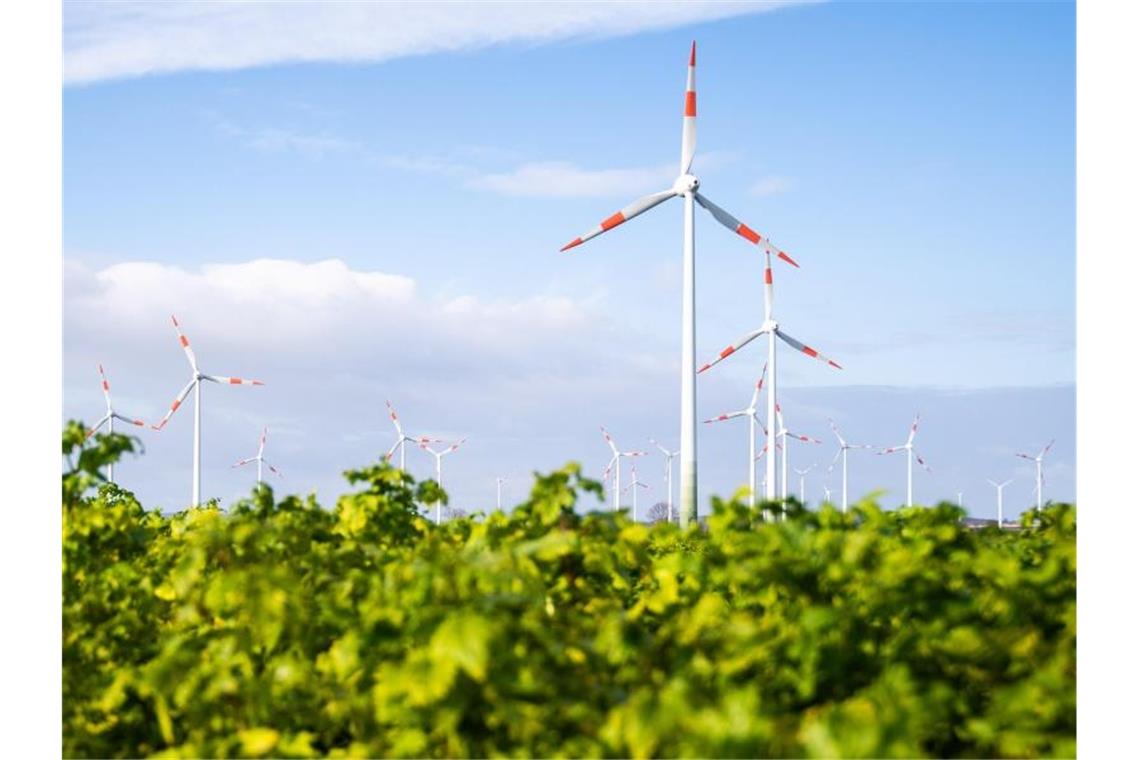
<point x="769" y="326"/>
<point x="686" y="183"/>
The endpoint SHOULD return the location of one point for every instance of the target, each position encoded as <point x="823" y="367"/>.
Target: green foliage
<point x="281" y="629"/>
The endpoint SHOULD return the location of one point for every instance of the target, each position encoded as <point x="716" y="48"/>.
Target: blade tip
<point x="693" y="54"/>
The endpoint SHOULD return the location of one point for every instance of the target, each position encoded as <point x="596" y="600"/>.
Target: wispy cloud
<point x="769" y="186"/>
<point x="112" y="40"/>
<point x="277" y="140"/>
<point x="564" y="179"/>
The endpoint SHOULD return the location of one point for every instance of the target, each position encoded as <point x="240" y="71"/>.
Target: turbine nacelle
<point x="686" y="183"/>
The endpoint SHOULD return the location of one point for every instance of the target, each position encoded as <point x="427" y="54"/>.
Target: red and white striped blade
<point x="1026" y="456"/>
<point x="177" y="403"/>
<point x="1045" y="450"/>
<point x="727" y="352"/>
<point x="453" y="446"/>
<point x="274" y="470"/>
<point x="231" y="380"/>
<point x="727" y="416"/>
<point x="759" y="387"/>
<point x="804" y="438"/>
<point x="835" y="429"/>
<point x="128" y="420"/>
<point x="185" y="344"/>
<point x="918" y="458"/>
<point x="634" y="453"/>
<point x="240" y="462"/>
<point x="609" y="441"/>
<point x="769" y="291"/>
<point x="639" y="206"/>
<point x="98" y="425"/>
<point x="394" y="417"/>
<point x="689" y="119"/>
<point x="742" y="229"/>
<point x="913" y="430"/>
<point x="261" y="443"/>
<point x="805" y="349"/>
<point x="391" y="451"/>
<point x="106" y="387"/>
<point x="893" y="449"/>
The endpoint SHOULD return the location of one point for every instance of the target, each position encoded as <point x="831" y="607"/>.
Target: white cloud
<point x="111" y="40"/>
<point x="565" y="180"/>
<point x="768" y="186"/>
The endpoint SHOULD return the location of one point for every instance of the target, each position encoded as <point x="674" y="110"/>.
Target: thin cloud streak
<point x="105" y="41"/>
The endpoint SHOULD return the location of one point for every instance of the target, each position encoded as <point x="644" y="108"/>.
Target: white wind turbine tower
<point x="1000" y="487"/>
<point x="669" y="457"/>
<point x="750" y="412"/>
<point x="1037" y="460"/>
<point x="635" y="485"/>
<point x="773" y="331"/>
<point x="684" y="187"/>
<point x="803" y="475"/>
<point x="109" y="418"/>
<point x="843" y="447"/>
<point x="401" y="438"/>
<point x="782" y="437"/>
<point x="260" y="458"/>
<point x="909" y="448"/>
<point x="499" y="493"/>
<point x="439" y="455"/>
<point x="195" y="384"/>
<point x="615" y="463"/>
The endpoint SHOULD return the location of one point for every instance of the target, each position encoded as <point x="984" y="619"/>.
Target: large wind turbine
<point x="782" y="436"/>
<point x="615" y="462"/>
<point x="401" y="438"/>
<point x="843" y="447"/>
<point x="1037" y="460"/>
<point x="684" y="187"/>
<point x="635" y="485"/>
<point x="772" y="329"/>
<point x="750" y="412"/>
<point x="195" y="384"/>
<point x="439" y="455"/>
<point x="109" y="418"/>
<point x="1000" y="487"/>
<point x="909" y="448"/>
<point x="669" y="457"/>
<point x="260" y="458"/>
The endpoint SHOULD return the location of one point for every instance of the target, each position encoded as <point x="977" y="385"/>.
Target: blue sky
<point x="917" y="159"/>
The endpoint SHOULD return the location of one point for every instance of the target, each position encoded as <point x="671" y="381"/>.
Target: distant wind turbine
<point x="109" y="418"/>
<point x="615" y="463"/>
<point x="908" y="447"/>
<point x="684" y="187"/>
<point x="195" y="384"/>
<point x="1037" y="460"/>
<point x="782" y="436"/>
<point x="669" y="457"/>
<point x="750" y="412"/>
<point x="803" y="475"/>
<point x="439" y="455"/>
<point x="1000" y="487"/>
<point x="635" y="484"/>
<point x="402" y="438"/>
<point x="499" y="493"/>
<point x="842" y="452"/>
<point x="260" y="458"/>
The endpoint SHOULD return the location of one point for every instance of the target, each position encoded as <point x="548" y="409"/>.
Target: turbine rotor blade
<point x="231" y="380"/>
<point x="727" y="352"/>
<point x="805" y="349"/>
<point x="128" y="420"/>
<point x="742" y="229"/>
<point x="759" y="386"/>
<point x="99" y="424"/>
<point x="395" y="419"/>
<point x="689" y="120"/>
<point x="176" y="403"/>
<point x="639" y="206"/>
<point x="913" y="430"/>
<point x="727" y="416"/>
<point x="241" y="462"/>
<point x="106" y="387"/>
<point x="185" y="345"/>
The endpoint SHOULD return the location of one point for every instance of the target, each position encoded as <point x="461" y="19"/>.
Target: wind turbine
<point x="1000" y="487"/>
<point x="401" y="438"/>
<point x="195" y="384"/>
<point x="909" y="448"/>
<point x="803" y="473"/>
<point x="260" y="459"/>
<point x="439" y="455"/>
<point x="773" y="331"/>
<point x="750" y="412"/>
<point x="783" y="434"/>
<point x="499" y="493"/>
<point x="684" y="187"/>
<point x="616" y="460"/>
<point x="109" y="418"/>
<point x="826" y="493"/>
<point x="843" y="447"/>
<point x="669" y="457"/>
<point x="635" y="485"/>
<point x="1037" y="461"/>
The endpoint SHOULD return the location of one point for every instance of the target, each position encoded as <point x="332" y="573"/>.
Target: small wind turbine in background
<point x="615" y="464"/>
<point x="669" y="457"/>
<point x="439" y="455"/>
<point x="109" y="418"/>
<point x="803" y="474"/>
<point x="635" y="484"/>
<point x="1000" y="487"/>
<point x="782" y="436"/>
<point x="401" y="438"/>
<point x="750" y="412"/>
<point x="908" y="447"/>
<point x="195" y="384"/>
<point x="843" y="447"/>
<point x="1037" y="460"/>
<point x="684" y="187"/>
<point x="499" y="493"/>
<point x="260" y="458"/>
<point x="826" y="493"/>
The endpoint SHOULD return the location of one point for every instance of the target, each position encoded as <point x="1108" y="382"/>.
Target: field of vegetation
<point x="279" y="627"/>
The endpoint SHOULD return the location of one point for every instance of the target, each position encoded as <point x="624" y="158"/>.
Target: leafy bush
<point x="284" y="629"/>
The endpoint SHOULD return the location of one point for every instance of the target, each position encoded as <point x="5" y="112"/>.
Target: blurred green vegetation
<point x="282" y="629"/>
